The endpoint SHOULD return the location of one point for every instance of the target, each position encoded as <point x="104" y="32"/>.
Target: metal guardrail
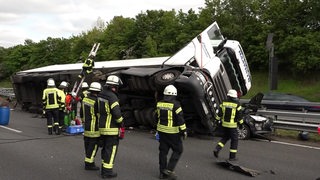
<point x="299" y="120"/>
<point x="7" y="92"/>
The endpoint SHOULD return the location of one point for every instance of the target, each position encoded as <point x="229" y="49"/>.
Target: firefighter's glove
<point x="184" y="134"/>
<point x="240" y="126"/>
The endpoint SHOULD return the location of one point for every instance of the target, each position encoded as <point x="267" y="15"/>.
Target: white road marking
<point x="15" y="130"/>
<point x="297" y="145"/>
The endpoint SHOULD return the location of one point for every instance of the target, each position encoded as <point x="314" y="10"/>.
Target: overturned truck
<point x="203" y="71"/>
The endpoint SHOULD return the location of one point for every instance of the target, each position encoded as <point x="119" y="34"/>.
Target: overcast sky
<point x="39" y="19"/>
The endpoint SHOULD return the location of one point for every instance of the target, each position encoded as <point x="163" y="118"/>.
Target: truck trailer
<point x="202" y="71"/>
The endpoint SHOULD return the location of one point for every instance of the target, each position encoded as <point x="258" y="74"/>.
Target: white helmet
<point x="84" y="85"/>
<point x="232" y="93"/>
<point x="95" y="86"/>
<point x="113" y="80"/>
<point x="170" y="90"/>
<point x="50" y="82"/>
<point x="63" y="84"/>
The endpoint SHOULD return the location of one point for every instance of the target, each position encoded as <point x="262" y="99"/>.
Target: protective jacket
<point x="110" y="113"/>
<point x="51" y="98"/>
<point x="170" y="116"/>
<point x="89" y="114"/>
<point x="231" y="114"/>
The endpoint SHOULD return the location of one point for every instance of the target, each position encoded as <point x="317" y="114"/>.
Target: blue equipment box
<point x="76" y="129"/>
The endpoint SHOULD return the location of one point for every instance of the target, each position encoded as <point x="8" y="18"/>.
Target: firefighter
<point x="87" y="66"/>
<point x="62" y="109"/>
<point x="230" y="114"/>
<point x="89" y="114"/>
<point x="170" y="127"/>
<point x="109" y="123"/>
<point x="51" y="101"/>
<point x="84" y="93"/>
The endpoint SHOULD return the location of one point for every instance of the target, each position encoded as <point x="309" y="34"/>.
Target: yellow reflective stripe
<point x="109" y="165"/>
<point x="170" y="120"/>
<point x="229" y="125"/>
<point x="183" y="127"/>
<point x="233" y="150"/>
<point x="241" y="121"/>
<point x="119" y="120"/>
<point x="91" y="159"/>
<point x="220" y="144"/>
<point x="109" y="131"/>
<point x="93" y="119"/>
<point x="49" y="126"/>
<point x="165" y="105"/>
<point x="91" y="133"/>
<point x="178" y="110"/>
<point x="166" y="129"/>
<point x="114" y="104"/>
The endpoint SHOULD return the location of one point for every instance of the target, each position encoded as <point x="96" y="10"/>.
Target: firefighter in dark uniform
<point x="89" y="114"/>
<point x="62" y="109"/>
<point x="230" y="114"/>
<point x="51" y="101"/>
<point x="170" y="127"/>
<point x="87" y="66"/>
<point x="109" y="123"/>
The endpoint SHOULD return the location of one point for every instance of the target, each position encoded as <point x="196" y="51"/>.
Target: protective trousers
<point x="91" y="148"/>
<point x="167" y="142"/>
<point x="61" y="120"/>
<point x="52" y="115"/>
<point x="109" y="151"/>
<point x="229" y="133"/>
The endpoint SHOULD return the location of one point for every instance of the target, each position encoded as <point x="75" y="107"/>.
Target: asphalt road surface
<point x="27" y="152"/>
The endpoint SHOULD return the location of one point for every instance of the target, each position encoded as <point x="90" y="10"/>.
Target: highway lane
<point x="27" y="152"/>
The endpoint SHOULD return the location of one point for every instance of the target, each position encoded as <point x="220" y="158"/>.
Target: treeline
<point x="295" y="25"/>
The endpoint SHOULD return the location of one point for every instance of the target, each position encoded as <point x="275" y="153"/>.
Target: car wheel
<point x="244" y="132"/>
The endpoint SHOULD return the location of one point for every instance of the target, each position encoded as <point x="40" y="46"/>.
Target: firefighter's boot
<point x="90" y="166"/>
<point x="216" y="153"/>
<point x="59" y="130"/>
<point x="50" y="130"/>
<point x="107" y="173"/>
<point x="232" y="156"/>
<point x="170" y="174"/>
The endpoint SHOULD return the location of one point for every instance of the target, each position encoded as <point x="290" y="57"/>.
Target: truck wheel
<point x="244" y="132"/>
<point x="166" y="77"/>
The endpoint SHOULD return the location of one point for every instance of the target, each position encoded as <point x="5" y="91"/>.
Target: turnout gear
<point x="51" y="101"/>
<point x="170" y="126"/>
<point x="110" y="120"/>
<point x="230" y="113"/>
<point x="89" y="114"/>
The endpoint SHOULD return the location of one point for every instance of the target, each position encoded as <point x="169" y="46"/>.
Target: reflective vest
<point x="231" y="114"/>
<point x="90" y="117"/>
<point x="51" y="98"/>
<point x="170" y="117"/>
<point x="110" y="113"/>
<point x="63" y="99"/>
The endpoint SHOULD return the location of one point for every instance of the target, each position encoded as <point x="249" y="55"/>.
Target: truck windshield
<point x="214" y="33"/>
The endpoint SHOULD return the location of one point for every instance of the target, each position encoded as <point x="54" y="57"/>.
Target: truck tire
<point x="167" y="77"/>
